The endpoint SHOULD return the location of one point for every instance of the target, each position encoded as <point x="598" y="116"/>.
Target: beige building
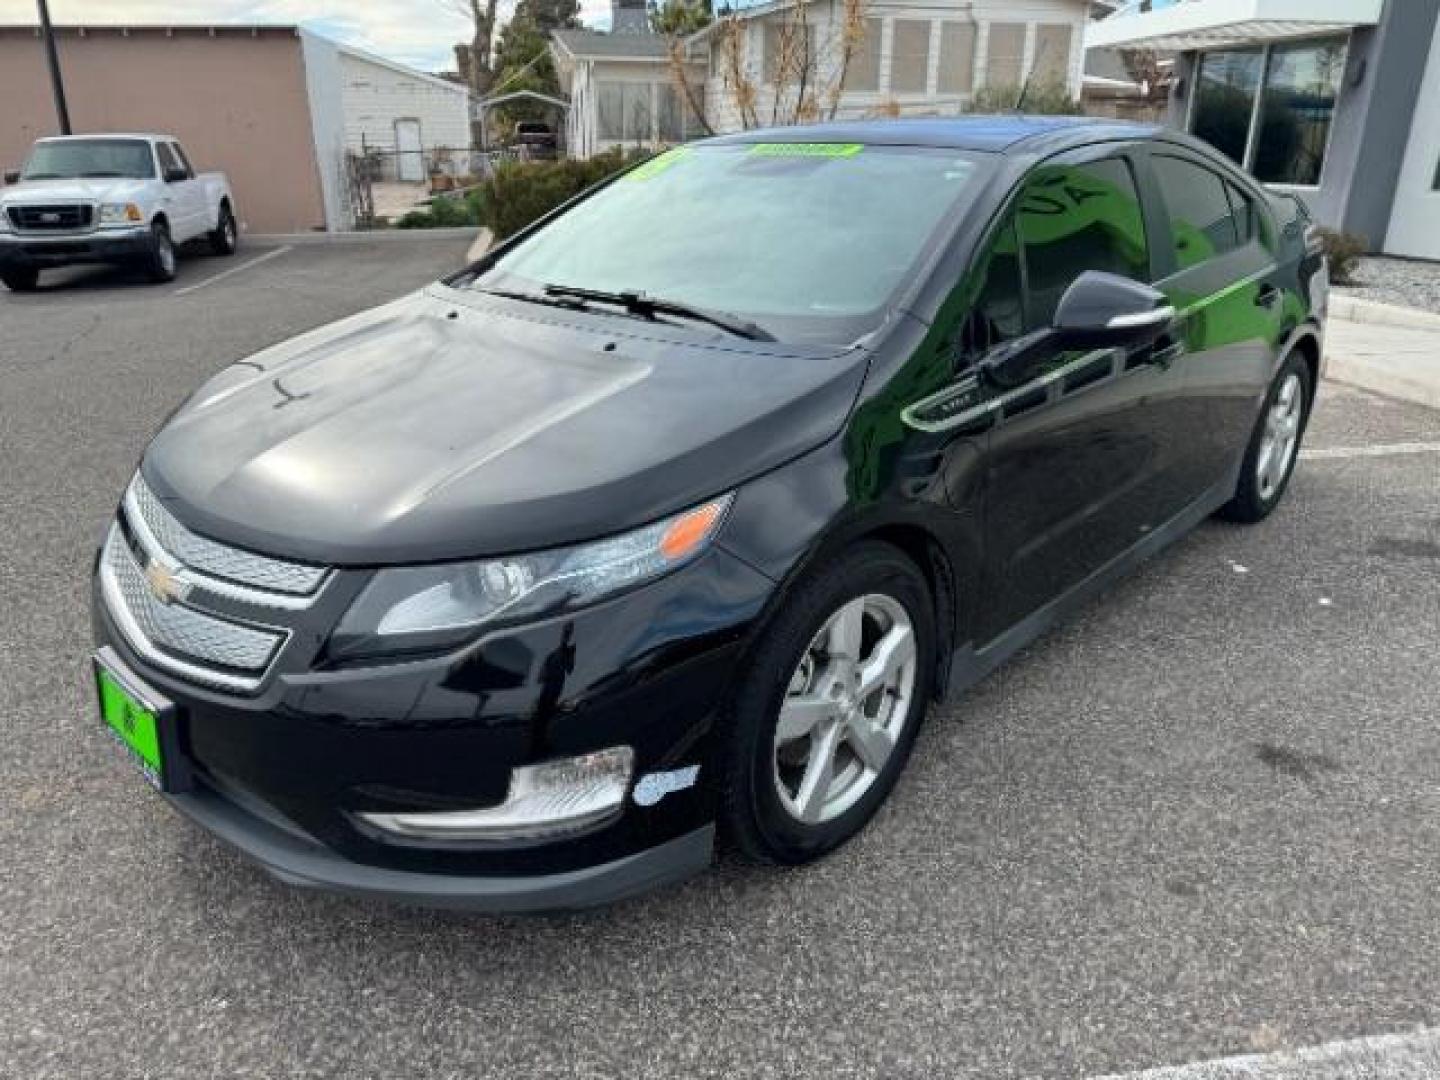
<point x="275" y="107"/>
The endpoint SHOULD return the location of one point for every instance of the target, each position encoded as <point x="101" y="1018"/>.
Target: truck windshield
<point x="808" y="240"/>
<point x="75" y="158"/>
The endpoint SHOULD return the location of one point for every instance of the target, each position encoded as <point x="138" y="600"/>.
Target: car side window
<point x="997" y="312"/>
<point x="1203" y="221"/>
<point x="181" y="159"/>
<point x="167" y="158"/>
<point x="1074" y="218"/>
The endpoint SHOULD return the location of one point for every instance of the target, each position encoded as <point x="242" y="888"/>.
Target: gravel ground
<point x="1201" y="819"/>
<point x="1407" y="282"/>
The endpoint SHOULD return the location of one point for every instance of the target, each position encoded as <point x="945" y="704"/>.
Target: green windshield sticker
<point x="823" y="150"/>
<point x="659" y="164"/>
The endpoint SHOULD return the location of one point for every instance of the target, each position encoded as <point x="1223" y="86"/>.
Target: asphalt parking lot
<point x="1200" y="820"/>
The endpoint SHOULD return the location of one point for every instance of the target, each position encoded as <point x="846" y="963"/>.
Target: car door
<point x="1079" y="453"/>
<point x="186" y="201"/>
<point x="1219" y="270"/>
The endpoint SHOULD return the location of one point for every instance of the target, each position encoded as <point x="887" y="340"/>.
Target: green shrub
<point x="1344" y="250"/>
<point x="441" y="214"/>
<point x="519" y="192"/>
<point x="1041" y="99"/>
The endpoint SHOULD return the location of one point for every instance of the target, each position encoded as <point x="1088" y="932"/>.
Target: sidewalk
<point x="1398" y="361"/>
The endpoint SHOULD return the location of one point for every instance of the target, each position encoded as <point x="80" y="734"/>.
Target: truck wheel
<point x="20" y="279"/>
<point x="160" y="263"/>
<point x="226" y="237"/>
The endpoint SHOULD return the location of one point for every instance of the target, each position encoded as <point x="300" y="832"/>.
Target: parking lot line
<point x="1322" y="453"/>
<point x="1407" y="1056"/>
<point x="234" y="270"/>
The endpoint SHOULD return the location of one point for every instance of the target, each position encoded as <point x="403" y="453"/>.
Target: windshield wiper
<point x="637" y="303"/>
<point x="40" y="176"/>
<point x="534" y="298"/>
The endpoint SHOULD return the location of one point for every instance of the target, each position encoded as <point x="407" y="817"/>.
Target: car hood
<point x="452" y="425"/>
<point x="99" y="189"/>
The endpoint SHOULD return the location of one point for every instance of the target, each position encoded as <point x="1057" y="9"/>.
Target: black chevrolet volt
<point x="665" y="523"/>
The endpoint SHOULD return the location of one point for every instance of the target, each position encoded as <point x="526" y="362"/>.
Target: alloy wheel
<point x="1281" y="437"/>
<point x="845" y="708"/>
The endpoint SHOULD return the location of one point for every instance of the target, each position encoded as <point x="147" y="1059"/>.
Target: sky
<point x="421" y="33"/>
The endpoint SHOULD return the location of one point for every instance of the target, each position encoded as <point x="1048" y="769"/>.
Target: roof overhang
<point x="1189" y="25"/>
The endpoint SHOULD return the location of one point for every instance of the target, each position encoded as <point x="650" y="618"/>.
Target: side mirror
<point x="175" y="174"/>
<point x="1100" y="311"/>
<point x="12" y="176"/>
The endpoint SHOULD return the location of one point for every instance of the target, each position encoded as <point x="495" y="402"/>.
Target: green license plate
<point x="136" y="725"/>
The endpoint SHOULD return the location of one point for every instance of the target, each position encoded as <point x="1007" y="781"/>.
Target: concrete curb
<point x="483" y="243"/>
<point x="1366" y="374"/>
<point x="384" y="236"/>
<point x="1354" y="309"/>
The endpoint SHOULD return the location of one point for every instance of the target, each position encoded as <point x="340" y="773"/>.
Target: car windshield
<point x="808" y="240"/>
<point x="76" y="158"/>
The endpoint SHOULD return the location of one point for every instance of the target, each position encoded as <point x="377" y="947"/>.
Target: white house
<point x="622" y="86"/>
<point x="409" y="116"/>
<point x="915" y="57"/>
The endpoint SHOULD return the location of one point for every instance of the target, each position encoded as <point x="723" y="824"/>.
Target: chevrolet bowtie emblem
<point x="163" y="583"/>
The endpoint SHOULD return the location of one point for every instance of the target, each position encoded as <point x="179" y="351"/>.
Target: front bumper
<point x="102" y="246"/>
<point x="296" y="860"/>
<point x="284" y="772"/>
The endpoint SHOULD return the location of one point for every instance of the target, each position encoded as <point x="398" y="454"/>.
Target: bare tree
<point x="804" y="73"/>
<point x="1144" y="68"/>
<point x="481" y="15"/>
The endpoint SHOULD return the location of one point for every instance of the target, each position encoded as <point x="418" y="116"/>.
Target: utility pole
<point x="61" y="109"/>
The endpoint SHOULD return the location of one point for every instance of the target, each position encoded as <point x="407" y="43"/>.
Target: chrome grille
<point x="66" y="217"/>
<point x="172" y="633"/>
<point x="218" y="560"/>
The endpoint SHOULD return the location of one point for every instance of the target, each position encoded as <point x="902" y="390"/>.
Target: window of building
<point x="1075" y="218"/>
<point x="1052" y="56"/>
<point x="957" y="58"/>
<point x="1283" y="141"/>
<point x="789" y="51"/>
<point x="1006" y="59"/>
<point x="1225" y="100"/>
<point x="1202" y="218"/>
<point x="1302" y="83"/>
<point x="910" y="56"/>
<point x="623" y="110"/>
<point x="863" y="74"/>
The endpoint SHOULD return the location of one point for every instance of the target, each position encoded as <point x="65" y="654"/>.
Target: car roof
<point x="147" y="136"/>
<point x="993" y="134"/>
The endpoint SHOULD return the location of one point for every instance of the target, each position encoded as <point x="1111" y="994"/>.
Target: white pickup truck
<point x="109" y="199"/>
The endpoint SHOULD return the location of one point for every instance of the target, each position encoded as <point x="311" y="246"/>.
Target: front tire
<point x="1274" y="445"/>
<point x="21" y="279"/>
<point x="823" y="722"/>
<point x="161" y="263"/>
<point x="225" y="240"/>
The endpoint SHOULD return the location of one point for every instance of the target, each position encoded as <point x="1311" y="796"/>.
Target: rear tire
<point x="225" y="240"/>
<point x="160" y="264"/>
<point x="21" y="279"/>
<point x="813" y="742"/>
<point x="1274" y="445"/>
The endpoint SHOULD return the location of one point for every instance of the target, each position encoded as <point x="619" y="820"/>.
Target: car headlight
<point x="120" y="214"/>
<point x="429" y="608"/>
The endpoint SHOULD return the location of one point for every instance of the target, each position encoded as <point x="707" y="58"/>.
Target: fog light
<point x="547" y="800"/>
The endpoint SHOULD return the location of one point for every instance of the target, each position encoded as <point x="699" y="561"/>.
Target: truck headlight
<point x="120" y="214"/>
<point x="430" y="608"/>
